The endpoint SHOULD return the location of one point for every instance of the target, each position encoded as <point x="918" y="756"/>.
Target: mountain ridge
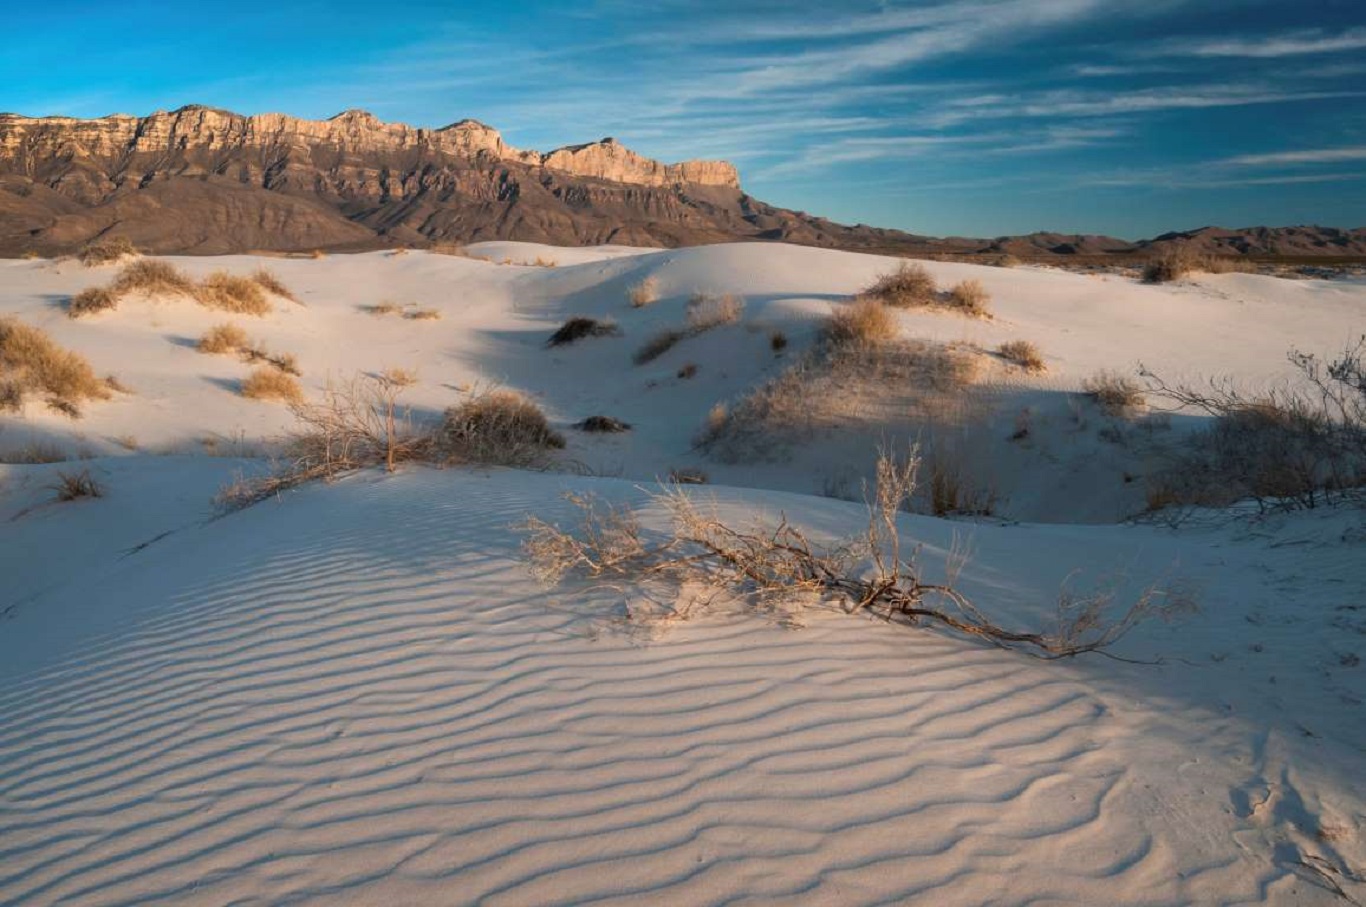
<point x="202" y="180"/>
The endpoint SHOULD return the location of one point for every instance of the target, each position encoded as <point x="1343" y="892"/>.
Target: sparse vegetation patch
<point x="106" y="250"/>
<point x="31" y="363"/>
<point x="1022" y="353"/>
<point x="580" y="327"/>
<point x="643" y="293"/>
<point x="272" y="384"/>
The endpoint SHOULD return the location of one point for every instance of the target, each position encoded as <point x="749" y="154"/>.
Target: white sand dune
<point x="356" y="694"/>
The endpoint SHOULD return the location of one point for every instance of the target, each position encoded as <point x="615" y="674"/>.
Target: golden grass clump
<point x="658" y="345"/>
<point x="970" y="297"/>
<point x="644" y="293"/>
<point x="31" y="363"/>
<point x="267" y="280"/>
<point x="423" y="315"/>
<point x="909" y="286"/>
<point x="91" y="300"/>
<point x="152" y="277"/>
<point x="387" y="307"/>
<point x="706" y="311"/>
<point x="72" y="486"/>
<point x="864" y="322"/>
<point x="106" y="250"/>
<point x="268" y="383"/>
<point x="232" y="293"/>
<point x="223" y="338"/>
<point x="1116" y="394"/>
<point x="1022" y="353"/>
<point x="499" y="427"/>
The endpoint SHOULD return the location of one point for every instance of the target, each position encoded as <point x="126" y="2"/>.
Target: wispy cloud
<point x="1287" y="44"/>
<point x="1311" y="156"/>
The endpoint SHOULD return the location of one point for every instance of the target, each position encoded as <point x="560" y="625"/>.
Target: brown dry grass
<point x="91" y="300"/>
<point x="909" y="286"/>
<point x="1117" y="395"/>
<point x="31" y="363"/>
<point x="644" y="293"/>
<point x="580" y="327"/>
<point x="387" y="307"/>
<point x="1176" y="262"/>
<point x="863" y="322"/>
<point x="267" y="280"/>
<point x="106" y="251"/>
<point x="152" y="277"/>
<point x="272" y="384"/>
<point x="1022" y="353"/>
<point x="969" y="297"/>
<point x="72" y="486"/>
<point x="658" y="345"/>
<point x="223" y="338"/>
<point x="232" y="293"/>
<point x="706" y="311"/>
<point x="422" y="315"/>
<point x="499" y="427"/>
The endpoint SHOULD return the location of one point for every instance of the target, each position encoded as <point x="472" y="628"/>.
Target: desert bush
<point x="687" y="475"/>
<point x="284" y="362"/>
<point x="498" y="427"/>
<point x="72" y="486"/>
<point x="863" y="322"/>
<point x="387" y="307"/>
<point x="272" y="384"/>
<point x="232" y="293"/>
<point x="422" y="315"/>
<point x="606" y="424"/>
<point x="687" y="371"/>
<point x="1117" y="395"/>
<point x="1176" y="262"/>
<point x="448" y="248"/>
<point x="579" y="327"/>
<point x="773" y="566"/>
<point x="969" y="297"/>
<point x="91" y="300"/>
<point x="954" y="490"/>
<point x="909" y="286"/>
<point x="152" y="277"/>
<point x="777" y="341"/>
<point x="542" y="262"/>
<point x="658" y="345"/>
<point x="33" y="453"/>
<point x="106" y="250"/>
<point x="30" y="362"/>
<point x="706" y="311"/>
<point x="223" y="338"/>
<point x="1296" y="447"/>
<point x="1022" y="353"/>
<point x="267" y="280"/>
<point x="643" y="293"/>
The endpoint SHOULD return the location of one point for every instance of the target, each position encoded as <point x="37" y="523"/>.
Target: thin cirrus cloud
<point x="1289" y="44"/>
<point x="1311" y="156"/>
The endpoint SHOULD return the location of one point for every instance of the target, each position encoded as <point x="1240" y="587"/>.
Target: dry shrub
<point x="1176" y="262"/>
<point x="1022" y="353"/>
<point x="422" y="315"/>
<point x="106" y="251"/>
<point x="72" y="486"/>
<point x="317" y="254"/>
<point x="91" y="300"/>
<point x="909" y="286"/>
<point x="231" y="293"/>
<point x="398" y="377"/>
<point x="706" y="311"/>
<point x="447" y="248"/>
<point x="687" y="371"/>
<point x="152" y="277"/>
<point x="284" y="362"/>
<point x="498" y="427"/>
<point x="687" y="475"/>
<point x="863" y="322"/>
<point x="545" y="262"/>
<point x="605" y="424"/>
<point x="223" y="338"/>
<point x="33" y="453"/>
<point x="658" y="345"/>
<point x="1006" y="260"/>
<point x="267" y="280"/>
<point x="1117" y="395"/>
<point x="272" y="384"/>
<point x="954" y="490"/>
<point x="776" y="567"/>
<point x="969" y="297"/>
<point x="644" y="293"/>
<point x="579" y="327"/>
<point x="31" y="363"/>
<point x="387" y="307"/>
<point x="777" y="341"/>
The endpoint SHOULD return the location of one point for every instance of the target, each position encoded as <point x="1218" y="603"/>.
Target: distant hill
<point x="204" y="181"/>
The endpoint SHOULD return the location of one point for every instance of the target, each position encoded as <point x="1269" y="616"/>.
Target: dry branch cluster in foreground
<point x="775" y="566"/>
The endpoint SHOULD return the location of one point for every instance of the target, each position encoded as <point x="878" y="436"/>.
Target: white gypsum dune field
<point x="357" y="693"/>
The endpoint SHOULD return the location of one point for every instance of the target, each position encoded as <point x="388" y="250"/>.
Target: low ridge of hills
<point x="203" y="181"/>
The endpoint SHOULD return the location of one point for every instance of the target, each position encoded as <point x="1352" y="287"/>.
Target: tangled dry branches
<point x="767" y="564"/>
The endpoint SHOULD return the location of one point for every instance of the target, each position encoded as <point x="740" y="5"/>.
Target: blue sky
<point x="966" y="117"/>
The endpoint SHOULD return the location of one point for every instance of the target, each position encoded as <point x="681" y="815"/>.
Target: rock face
<point x="200" y="180"/>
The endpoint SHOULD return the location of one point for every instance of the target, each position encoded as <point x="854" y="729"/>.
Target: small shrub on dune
<point x="604" y="424"/>
<point x="31" y="363"/>
<point x="223" y="338"/>
<point x="644" y="293"/>
<point x="422" y="315"/>
<point x="688" y="371"/>
<point x="706" y="311"/>
<point x="909" y="286"/>
<point x="687" y="475"/>
<point x="384" y="308"/>
<point x="448" y="248"/>
<point x="863" y="322"/>
<point x="34" y="452"/>
<point x="658" y="345"/>
<point x="152" y="277"/>
<point x="272" y="384"/>
<point x="777" y="341"/>
<point x="580" y="327"/>
<point x="106" y="251"/>
<point x="497" y="427"/>
<point x="72" y="486"/>
<point x="1117" y="395"/>
<point x="1023" y="354"/>
<point x="232" y="293"/>
<point x="969" y="297"/>
<point x="91" y="300"/>
<point x="268" y="281"/>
